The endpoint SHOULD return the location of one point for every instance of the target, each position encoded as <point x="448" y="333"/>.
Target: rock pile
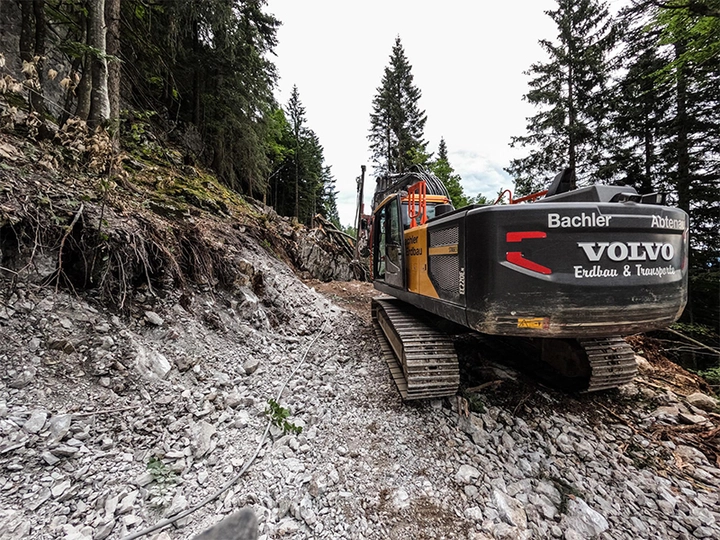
<point x="109" y="423"/>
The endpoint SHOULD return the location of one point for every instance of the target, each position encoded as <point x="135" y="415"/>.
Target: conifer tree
<point x="570" y="130"/>
<point x="443" y="170"/>
<point x="641" y="104"/>
<point x="297" y="118"/>
<point x="397" y="123"/>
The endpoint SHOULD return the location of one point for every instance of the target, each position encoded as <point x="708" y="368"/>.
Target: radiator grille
<point x="444" y="271"/>
<point x="444" y="237"/>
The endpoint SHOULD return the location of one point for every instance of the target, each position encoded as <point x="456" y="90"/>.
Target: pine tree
<point x="443" y="170"/>
<point x="396" y="123"/>
<point x="641" y="105"/>
<point x="297" y="118"/>
<point x="570" y="130"/>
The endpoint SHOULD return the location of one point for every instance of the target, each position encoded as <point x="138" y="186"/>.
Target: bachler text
<point x="627" y="251"/>
<point x="556" y="221"/>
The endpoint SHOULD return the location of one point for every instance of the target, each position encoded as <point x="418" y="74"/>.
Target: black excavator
<point x="568" y="270"/>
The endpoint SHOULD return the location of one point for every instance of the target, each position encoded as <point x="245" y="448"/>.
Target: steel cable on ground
<point x="169" y="521"/>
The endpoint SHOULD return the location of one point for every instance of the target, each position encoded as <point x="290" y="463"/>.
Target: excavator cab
<point x="393" y="217"/>
<point x="388" y="242"/>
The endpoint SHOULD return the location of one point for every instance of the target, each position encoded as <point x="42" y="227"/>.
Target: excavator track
<point x="422" y="360"/>
<point x="612" y="362"/>
<point x="589" y="364"/>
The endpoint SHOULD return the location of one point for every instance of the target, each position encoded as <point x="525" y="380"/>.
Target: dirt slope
<point x="148" y="317"/>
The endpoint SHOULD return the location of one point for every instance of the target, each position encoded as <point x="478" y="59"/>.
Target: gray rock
<point x="60" y="488"/>
<point x="704" y="532"/>
<point x="250" y="366"/>
<point x="154" y="318"/>
<point x="152" y="364"/>
<point x="550" y="491"/>
<point x="59" y="425"/>
<point x="510" y="510"/>
<point x="49" y="458"/>
<point x="144" y="479"/>
<point x="104" y="530"/>
<point x="202" y="433"/>
<point x="401" y="499"/>
<point x="583" y="519"/>
<point x="38" y="501"/>
<point x="294" y="465"/>
<point x="692" y="419"/>
<point x="127" y="503"/>
<point x="702" y="401"/>
<point x="241" y="525"/>
<point x="64" y="451"/>
<point x="474" y="513"/>
<point x="36" y="421"/>
<point x="467" y="474"/>
<point x="23" y="379"/>
<point x="178" y="504"/>
<point x="704" y="515"/>
<point x="690" y="454"/>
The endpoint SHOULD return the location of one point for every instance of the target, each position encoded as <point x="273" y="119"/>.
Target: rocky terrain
<point x="197" y="371"/>
<point x="111" y="423"/>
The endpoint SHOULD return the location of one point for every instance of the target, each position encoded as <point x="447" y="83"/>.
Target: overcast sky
<point x="467" y="58"/>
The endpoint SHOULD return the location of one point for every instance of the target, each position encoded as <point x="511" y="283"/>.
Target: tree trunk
<point x="32" y="44"/>
<point x="85" y="85"/>
<point x="99" y="100"/>
<point x="112" y="19"/>
<point x="572" y="121"/>
<point x="36" y="97"/>
<point x="196" y="78"/>
<point x="683" y="152"/>
<point x="83" y="90"/>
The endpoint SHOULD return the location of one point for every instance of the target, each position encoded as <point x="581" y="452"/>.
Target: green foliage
<point x="480" y="199"/>
<point x="301" y="184"/>
<point x="396" y="122"/>
<point x="475" y="403"/>
<point x="206" y="64"/>
<point x="164" y="479"/>
<point x="443" y="170"/>
<point x="570" y="90"/>
<point x="712" y="375"/>
<point x="278" y="415"/>
<point x="697" y="25"/>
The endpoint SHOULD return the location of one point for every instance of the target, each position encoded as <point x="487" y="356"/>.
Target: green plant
<point x="475" y="403"/>
<point x="278" y="416"/>
<point x="711" y="375"/>
<point x="266" y="244"/>
<point x="164" y="478"/>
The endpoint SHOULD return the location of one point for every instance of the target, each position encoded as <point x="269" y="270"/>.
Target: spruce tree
<point x="297" y="117"/>
<point x="397" y="123"/>
<point x="641" y="104"/>
<point x="443" y="170"/>
<point x="570" y="130"/>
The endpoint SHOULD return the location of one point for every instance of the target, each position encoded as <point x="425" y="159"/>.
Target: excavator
<point x="567" y="272"/>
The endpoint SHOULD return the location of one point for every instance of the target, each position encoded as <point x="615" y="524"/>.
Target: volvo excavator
<point x="566" y="272"/>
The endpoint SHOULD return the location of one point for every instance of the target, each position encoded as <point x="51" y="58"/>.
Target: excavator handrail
<point x="419" y="188"/>
<point x="530" y="197"/>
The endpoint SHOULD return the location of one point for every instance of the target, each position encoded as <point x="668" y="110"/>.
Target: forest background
<point x="625" y="99"/>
